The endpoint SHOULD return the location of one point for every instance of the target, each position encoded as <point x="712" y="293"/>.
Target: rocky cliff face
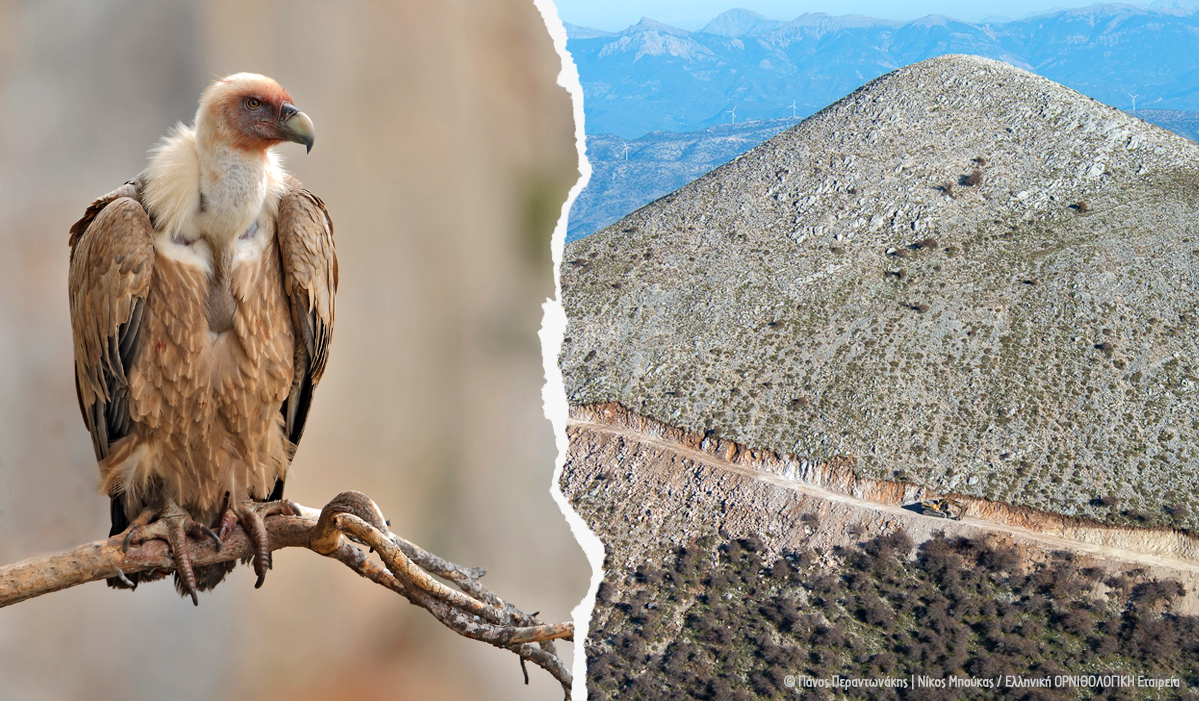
<point x="962" y="273"/>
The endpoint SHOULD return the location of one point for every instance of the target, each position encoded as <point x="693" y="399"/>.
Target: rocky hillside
<point x="962" y="274"/>
<point x="629" y="173"/>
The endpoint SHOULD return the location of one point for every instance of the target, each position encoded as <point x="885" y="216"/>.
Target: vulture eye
<point x="253" y="103"/>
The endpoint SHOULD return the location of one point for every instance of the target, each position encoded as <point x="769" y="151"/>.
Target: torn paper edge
<point x="553" y="329"/>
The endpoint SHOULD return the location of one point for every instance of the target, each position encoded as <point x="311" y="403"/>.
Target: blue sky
<point x="692" y="14"/>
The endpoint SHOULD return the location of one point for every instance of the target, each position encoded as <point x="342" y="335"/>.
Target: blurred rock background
<point x="444" y="151"/>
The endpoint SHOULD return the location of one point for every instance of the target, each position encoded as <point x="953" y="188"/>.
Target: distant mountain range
<point x="631" y="173"/>
<point x="651" y="76"/>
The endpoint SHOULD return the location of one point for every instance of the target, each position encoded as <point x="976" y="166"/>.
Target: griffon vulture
<point x="202" y="297"/>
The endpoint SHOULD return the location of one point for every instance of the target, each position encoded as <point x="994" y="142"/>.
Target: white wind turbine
<point x="626" y="152"/>
<point x="1134" y="101"/>
<point x="793" y="115"/>
<point x="734" y="113"/>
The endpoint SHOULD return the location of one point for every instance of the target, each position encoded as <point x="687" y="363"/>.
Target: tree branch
<point x="351" y="517"/>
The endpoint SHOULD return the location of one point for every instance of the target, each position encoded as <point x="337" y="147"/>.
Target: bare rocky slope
<point x="630" y="173"/>
<point x="962" y="274"/>
<point x="627" y="174"/>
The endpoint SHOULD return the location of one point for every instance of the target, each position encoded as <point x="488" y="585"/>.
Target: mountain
<point x="654" y="77"/>
<point x="654" y="27"/>
<point x="573" y="31"/>
<point x="961" y="273"/>
<point x="738" y="22"/>
<point x="1183" y="6"/>
<point x="630" y="173"/>
<point x="626" y="174"/>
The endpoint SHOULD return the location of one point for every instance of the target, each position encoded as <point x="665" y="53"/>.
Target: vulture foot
<point x="251" y="515"/>
<point x="173" y="525"/>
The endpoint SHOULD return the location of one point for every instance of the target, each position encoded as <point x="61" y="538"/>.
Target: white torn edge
<point x="553" y="329"/>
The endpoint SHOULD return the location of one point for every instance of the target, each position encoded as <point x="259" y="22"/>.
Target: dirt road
<point x="1156" y="548"/>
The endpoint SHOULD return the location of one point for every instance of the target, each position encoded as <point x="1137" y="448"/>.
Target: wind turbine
<point x="793" y="115"/>
<point x="1134" y="102"/>
<point x="626" y="152"/>
<point x="734" y="113"/>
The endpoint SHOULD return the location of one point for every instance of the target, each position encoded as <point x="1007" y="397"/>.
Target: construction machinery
<point x="942" y="507"/>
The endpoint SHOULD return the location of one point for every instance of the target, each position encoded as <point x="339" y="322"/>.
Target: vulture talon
<point x="125" y="580"/>
<point x="252" y="516"/>
<point x="136" y="530"/>
<point x="173" y="525"/>
<point x="228" y="524"/>
<point x="205" y="530"/>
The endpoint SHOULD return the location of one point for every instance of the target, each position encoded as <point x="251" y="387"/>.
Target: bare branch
<point x="470" y="610"/>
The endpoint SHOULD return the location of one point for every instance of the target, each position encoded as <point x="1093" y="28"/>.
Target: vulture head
<point x="251" y="112"/>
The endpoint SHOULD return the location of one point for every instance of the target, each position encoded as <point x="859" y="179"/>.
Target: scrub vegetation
<point x="722" y="619"/>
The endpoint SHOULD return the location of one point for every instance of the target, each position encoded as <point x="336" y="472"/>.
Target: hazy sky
<point x="693" y="14"/>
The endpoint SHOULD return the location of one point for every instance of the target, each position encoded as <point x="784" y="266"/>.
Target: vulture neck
<point x="233" y="189"/>
<point x="206" y="197"/>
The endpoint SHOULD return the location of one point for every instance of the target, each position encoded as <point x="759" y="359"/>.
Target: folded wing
<point x="310" y="283"/>
<point x="112" y="263"/>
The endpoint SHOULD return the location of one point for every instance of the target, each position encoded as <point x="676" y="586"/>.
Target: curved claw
<point x="125" y="580"/>
<point x="137" y="529"/>
<point x="129" y="536"/>
<point x="211" y="534"/>
<point x="228" y="523"/>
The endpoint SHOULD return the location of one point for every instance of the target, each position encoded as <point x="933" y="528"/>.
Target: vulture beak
<point x="295" y="126"/>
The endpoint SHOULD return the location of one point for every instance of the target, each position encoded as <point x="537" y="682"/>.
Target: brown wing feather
<point x="112" y="261"/>
<point x="310" y="282"/>
<point x="131" y="189"/>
